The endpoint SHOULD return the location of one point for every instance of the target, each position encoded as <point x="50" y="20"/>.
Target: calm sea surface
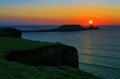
<point x="99" y="50"/>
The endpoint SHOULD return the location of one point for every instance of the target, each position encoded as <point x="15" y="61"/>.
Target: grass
<point x="13" y="70"/>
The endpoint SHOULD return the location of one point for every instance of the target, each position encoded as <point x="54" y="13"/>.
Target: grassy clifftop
<point x="19" y="68"/>
<point x="42" y="53"/>
<point x="15" y="70"/>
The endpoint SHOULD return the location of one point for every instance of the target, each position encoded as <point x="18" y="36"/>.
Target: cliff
<point x="10" y="32"/>
<point x="53" y="55"/>
<point x="26" y="59"/>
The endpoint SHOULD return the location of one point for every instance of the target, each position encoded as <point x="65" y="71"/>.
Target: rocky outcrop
<point x="69" y="28"/>
<point x="65" y="28"/>
<point x="53" y="55"/>
<point x="10" y="32"/>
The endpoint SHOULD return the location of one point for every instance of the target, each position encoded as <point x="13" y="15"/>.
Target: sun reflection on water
<point x="86" y="60"/>
<point x="87" y="49"/>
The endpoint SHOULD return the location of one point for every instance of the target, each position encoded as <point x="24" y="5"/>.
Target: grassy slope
<point x="12" y="70"/>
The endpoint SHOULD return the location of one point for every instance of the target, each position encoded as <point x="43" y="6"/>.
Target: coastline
<point x="66" y="28"/>
<point x="22" y="44"/>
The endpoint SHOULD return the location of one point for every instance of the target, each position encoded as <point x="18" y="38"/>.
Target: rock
<point x="10" y="32"/>
<point x="54" y="55"/>
<point x="92" y="27"/>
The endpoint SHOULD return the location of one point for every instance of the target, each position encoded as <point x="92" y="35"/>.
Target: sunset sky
<point x="102" y="12"/>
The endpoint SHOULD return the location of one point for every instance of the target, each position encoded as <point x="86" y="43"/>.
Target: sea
<point x="98" y="50"/>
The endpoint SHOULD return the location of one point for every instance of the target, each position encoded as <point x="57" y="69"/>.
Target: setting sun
<point x="90" y="22"/>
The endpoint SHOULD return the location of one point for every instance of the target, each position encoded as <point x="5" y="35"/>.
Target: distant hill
<point x="65" y="28"/>
<point x="70" y="28"/>
<point x="10" y="32"/>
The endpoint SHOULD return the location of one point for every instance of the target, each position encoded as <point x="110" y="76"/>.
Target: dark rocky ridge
<point x="66" y="28"/>
<point x="10" y="32"/>
<point x="54" y="55"/>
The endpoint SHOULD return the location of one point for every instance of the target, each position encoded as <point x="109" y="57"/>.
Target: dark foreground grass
<point x="13" y="70"/>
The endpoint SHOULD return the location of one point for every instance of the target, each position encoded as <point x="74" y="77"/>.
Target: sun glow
<point x="90" y="22"/>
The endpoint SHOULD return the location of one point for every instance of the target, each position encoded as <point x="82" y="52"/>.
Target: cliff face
<point x="54" y="55"/>
<point x="34" y="53"/>
<point x="10" y="32"/>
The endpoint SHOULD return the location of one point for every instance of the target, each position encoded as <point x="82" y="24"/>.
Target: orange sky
<point x="60" y="14"/>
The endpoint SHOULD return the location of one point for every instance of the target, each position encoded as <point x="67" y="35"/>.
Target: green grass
<point x="13" y="70"/>
<point x="10" y="44"/>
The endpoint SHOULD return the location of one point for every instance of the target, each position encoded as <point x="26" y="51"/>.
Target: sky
<point x="50" y="12"/>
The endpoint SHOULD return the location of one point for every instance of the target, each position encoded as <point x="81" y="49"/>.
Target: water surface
<point x="99" y="50"/>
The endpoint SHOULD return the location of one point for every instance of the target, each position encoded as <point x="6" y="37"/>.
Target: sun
<point x="90" y="22"/>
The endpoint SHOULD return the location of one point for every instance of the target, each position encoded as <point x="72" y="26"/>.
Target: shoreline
<point x="13" y="45"/>
<point x="66" y="28"/>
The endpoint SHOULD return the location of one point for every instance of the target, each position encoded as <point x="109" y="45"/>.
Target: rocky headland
<point x="66" y="28"/>
<point x="10" y="32"/>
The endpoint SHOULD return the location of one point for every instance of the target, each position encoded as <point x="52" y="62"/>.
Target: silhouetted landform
<point x="53" y="55"/>
<point x="92" y="27"/>
<point x="66" y="28"/>
<point x="10" y="32"/>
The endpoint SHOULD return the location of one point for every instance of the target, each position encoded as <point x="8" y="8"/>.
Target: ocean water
<point x="98" y="50"/>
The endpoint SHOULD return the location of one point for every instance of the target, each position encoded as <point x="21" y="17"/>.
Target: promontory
<point x="66" y="28"/>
